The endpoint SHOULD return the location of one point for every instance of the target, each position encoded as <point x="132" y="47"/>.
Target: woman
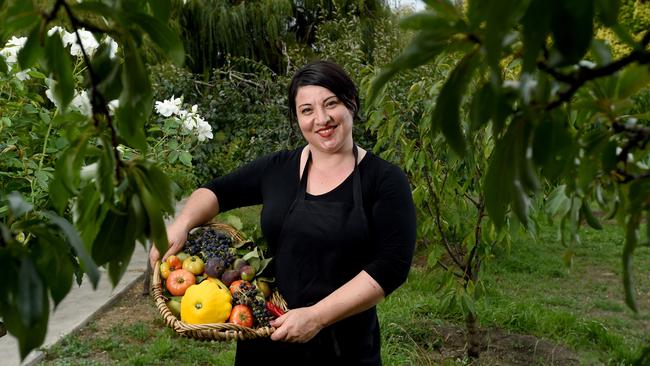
<point x="339" y="222"/>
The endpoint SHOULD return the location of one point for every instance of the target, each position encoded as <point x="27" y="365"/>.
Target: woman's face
<point x="325" y="122"/>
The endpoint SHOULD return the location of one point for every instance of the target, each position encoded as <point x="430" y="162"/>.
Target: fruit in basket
<point x="219" y="283"/>
<point x="182" y="256"/>
<point x="242" y="315"/>
<point x="239" y="263"/>
<point x="214" y="267"/>
<point x="174" y="305"/>
<point x="194" y="264"/>
<point x="209" y="242"/>
<point x="275" y="310"/>
<point x="229" y="276"/>
<point x="174" y="263"/>
<point x="264" y="287"/>
<point x="206" y="303"/>
<point x="240" y="285"/>
<point x="247" y="273"/>
<point x="249" y="295"/>
<point x="164" y="270"/>
<point x="179" y="281"/>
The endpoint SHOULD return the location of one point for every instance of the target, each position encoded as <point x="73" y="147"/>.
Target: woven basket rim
<point x="212" y="331"/>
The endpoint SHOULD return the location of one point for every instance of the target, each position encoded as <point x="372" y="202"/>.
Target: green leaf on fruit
<point x="199" y="279"/>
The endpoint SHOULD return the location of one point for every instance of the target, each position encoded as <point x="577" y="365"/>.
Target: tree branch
<point x="437" y="218"/>
<point x="97" y="100"/>
<point x="444" y="266"/>
<point x="471" y="272"/>
<point x="48" y="17"/>
<point x="584" y="74"/>
<point x="466" y="195"/>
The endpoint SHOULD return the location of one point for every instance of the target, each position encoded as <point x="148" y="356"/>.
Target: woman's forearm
<point x="201" y="207"/>
<point x="302" y="324"/>
<point x="359" y="294"/>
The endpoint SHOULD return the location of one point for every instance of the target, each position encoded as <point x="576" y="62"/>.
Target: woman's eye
<point x="332" y="103"/>
<point x="305" y="111"/>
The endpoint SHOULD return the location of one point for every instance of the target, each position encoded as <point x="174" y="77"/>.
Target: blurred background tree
<point x="553" y="111"/>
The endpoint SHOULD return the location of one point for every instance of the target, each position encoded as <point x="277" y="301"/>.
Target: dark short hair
<point x="330" y="76"/>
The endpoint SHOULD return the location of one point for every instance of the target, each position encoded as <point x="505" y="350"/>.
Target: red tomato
<point x="178" y="281"/>
<point x="235" y="286"/>
<point x="174" y="263"/>
<point x="242" y="315"/>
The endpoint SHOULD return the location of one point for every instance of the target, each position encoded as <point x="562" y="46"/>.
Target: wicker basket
<point x="214" y="331"/>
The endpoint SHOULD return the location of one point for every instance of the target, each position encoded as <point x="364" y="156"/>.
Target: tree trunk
<point x="473" y="336"/>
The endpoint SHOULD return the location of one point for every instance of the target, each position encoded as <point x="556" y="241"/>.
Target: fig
<point x="229" y="277"/>
<point x="239" y="263"/>
<point x="215" y="267"/>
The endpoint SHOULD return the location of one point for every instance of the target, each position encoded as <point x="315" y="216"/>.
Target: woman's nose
<point x="321" y="116"/>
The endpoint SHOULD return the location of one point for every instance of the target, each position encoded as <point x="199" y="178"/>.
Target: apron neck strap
<point x="356" y="178"/>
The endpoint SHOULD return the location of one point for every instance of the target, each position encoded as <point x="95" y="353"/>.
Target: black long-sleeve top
<point x="273" y="181"/>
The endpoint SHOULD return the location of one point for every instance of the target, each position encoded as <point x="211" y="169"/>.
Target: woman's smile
<point x="326" y="132"/>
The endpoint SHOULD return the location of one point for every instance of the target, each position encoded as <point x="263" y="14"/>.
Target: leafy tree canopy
<point x="551" y="98"/>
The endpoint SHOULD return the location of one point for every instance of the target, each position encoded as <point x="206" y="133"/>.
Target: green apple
<point x="174" y="305"/>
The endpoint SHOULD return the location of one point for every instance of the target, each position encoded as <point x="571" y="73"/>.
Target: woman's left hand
<point x="297" y="325"/>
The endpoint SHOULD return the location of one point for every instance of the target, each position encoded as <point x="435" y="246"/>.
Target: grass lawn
<point x="537" y="312"/>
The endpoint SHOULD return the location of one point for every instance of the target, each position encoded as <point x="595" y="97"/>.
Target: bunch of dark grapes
<point x="261" y="314"/>
<point x="209" y="243"/>
<point x="215" y="250"/>
<point x="250" y="296"/>
<point x="193" y="245"/>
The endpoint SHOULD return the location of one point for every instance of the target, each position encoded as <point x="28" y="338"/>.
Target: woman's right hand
<point x="176" y="236"/>
<point x="202" y="206"/>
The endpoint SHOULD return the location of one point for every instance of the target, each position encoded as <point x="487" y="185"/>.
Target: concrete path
<point x="77" y="309"/>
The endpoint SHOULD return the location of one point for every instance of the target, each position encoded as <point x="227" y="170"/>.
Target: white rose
<point x="168" y="107"/>
<point x="81" y="102"/>
<point x="88" y="41"/>
<point x="203" y="130"/>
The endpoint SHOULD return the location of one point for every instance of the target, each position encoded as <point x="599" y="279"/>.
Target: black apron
<point x="322" y="246"/>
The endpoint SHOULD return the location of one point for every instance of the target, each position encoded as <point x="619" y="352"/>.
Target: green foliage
<point x="635" y="14"/>
<point x="42" y="251"/>
<point x="265" y="30"/>
<point x="66" y="155"/>
<point x="559" y="119"/>
<point x="248" y="111"/>
<point x="214" y="30"/>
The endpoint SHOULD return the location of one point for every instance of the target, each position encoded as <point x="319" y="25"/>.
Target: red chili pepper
<point x="274" y="309"/>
